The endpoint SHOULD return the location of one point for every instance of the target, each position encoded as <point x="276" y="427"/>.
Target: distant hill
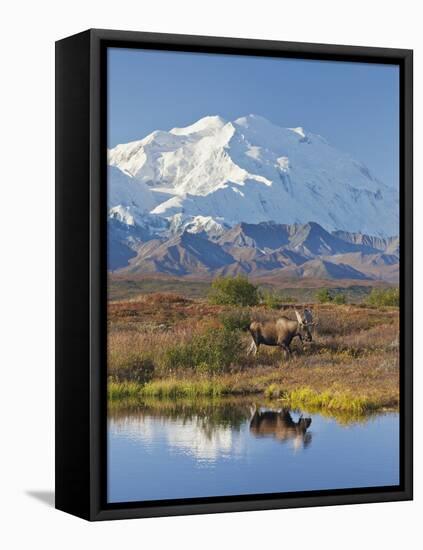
<point x="283" y="250"/>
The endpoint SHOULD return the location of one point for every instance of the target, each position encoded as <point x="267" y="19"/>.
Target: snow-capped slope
<point x="250" y="170"/>
<point x="128" y="198"/>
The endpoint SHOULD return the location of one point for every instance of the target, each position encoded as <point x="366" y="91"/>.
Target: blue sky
<point x="355" y="106"/>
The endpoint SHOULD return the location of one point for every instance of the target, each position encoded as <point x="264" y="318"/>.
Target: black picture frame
<point x="81" y="273"/>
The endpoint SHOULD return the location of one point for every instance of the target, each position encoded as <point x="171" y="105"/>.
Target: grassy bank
<point x="168" y="346"/>
<point x="271" y="385"/>
<point x="338" y="390"/>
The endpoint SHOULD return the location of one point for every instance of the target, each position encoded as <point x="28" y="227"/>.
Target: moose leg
<point x="253" y="348"/>
<point x="301" y="339"/>
<point x="253" y="410"/>
<point x="256" y="347"/>
<point x="286" y="350"/>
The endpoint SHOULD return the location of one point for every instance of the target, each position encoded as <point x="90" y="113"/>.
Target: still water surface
<point x="169" y="450"/>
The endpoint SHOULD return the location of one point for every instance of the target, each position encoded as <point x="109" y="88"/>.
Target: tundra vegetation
<point x="167" y="345"/>
<point x="233" y="291"/>
<point x="384" y="297"/>
<point x="274" y="299"/>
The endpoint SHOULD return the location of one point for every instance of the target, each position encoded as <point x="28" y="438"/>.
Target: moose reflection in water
<point x="212" y="420"/>
<point x="281" y="426"/>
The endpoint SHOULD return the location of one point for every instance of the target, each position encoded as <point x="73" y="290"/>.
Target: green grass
<point x="167" y="388"/>
<point x="330" y="400"/>
<point x="183" y="388"/>
<point x="123" y="390"/>
<point x="274" y="391"/>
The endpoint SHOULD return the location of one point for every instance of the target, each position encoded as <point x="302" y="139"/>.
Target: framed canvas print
<point x="234" y="274"/>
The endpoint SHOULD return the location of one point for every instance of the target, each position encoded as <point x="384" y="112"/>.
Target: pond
<point x="170" y="450"/>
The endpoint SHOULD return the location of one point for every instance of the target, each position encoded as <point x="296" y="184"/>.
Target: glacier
<point x="217" y="173"/>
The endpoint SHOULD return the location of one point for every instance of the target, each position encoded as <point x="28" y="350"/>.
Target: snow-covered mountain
<point x="248" y="170"/>
<point x="222" y="197"/>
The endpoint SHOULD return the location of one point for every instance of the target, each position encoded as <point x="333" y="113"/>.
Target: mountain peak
<point x="298" y="130"/>
<point x="251" y="170"/>
<point x="204" y="125"/>
<point x="253" y="120"/>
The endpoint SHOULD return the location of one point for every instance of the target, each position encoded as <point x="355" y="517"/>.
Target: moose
<point x="281" y="332"/>
<point x="281" y="426"/>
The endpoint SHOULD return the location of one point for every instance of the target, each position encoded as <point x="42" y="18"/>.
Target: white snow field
<point x="216" y="173"/>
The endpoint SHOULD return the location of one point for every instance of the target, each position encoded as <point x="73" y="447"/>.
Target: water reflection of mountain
<point x="214" y="413"/>
<point x="206" y="429"/>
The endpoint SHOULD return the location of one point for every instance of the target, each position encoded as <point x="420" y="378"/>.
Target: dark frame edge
<point x="91" y="507"/>
<point x="248" y="506"/>
<point x="219" y="43"/>
<point x="72" y="389"/>
<point x="406" y="282"/>
<point x="98" y="277"/>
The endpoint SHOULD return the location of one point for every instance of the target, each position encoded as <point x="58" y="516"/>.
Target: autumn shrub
<point x="275" y="300"/>
<point x="131" y="365"/>
<point x="235" y="319"/>
<point x="339" y="299"/>
<point x="384" y="297"/>
<point x="271" y="299"/>
<point x="212" y="351"/>
<point x="235" y="291"/>
<point x="323" y="296"/>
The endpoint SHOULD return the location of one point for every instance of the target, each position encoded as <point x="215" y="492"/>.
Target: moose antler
<point x="308" y="317"/>
<point x="298" y="316"/>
